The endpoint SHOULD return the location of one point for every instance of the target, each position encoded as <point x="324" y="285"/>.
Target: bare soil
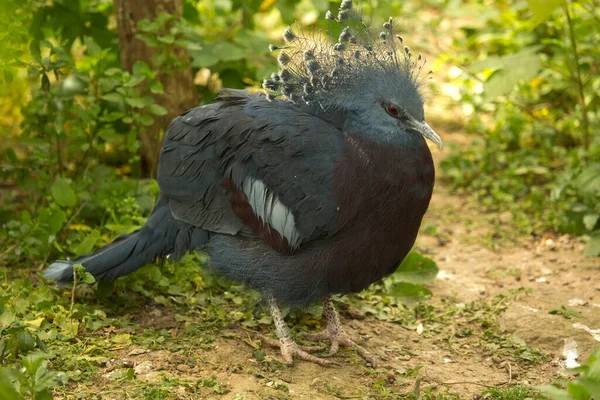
<point x="551" y="272"/>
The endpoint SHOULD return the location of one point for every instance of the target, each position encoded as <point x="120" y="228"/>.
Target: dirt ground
<point x="551" y="270"/>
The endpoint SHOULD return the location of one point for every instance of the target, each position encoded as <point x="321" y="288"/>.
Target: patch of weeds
<point x="433" y="392"/>
<point x="565" y="312"/>
<point x="513" y="348"/>
<point x="279" y="386"/>
<point x="464" y="332"/>
<point x="462" y="317"/>
<point x="31" y="379"/>
<point x="585" y="386"/>
<point x="159" y="394"/>
<point x="328" y="388"/>
<point x="476" y="324"/>
<point x="518" y="392"/>
<point x="211" y="383"/>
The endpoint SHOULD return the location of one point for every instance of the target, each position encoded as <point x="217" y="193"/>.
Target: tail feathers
<point x="162" y="235"/>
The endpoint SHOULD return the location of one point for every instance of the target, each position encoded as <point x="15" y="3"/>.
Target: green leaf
<point x="590" y="221"/>
<point x="134" y="80"/>
<point x="82" y="274"/>
<point x="141" y="68"/>
<point x="91" y="45"/>
<point x="408" y="293"/>
<point x="156" y="87"/>
<point x="543" y="9"/>
<point x="137" y="102"/>
<point x="577" y="391"/>
<point x="6" y="319"/>
<point x="63" y="193"/>
<point x="34" y="50"/>
<point x="158" y="110"/>
<point x="226" y="51"/>
<point x="146" y="120"/>
<point x="52" y="218"/>
<point x="45" y="394"/>
<point x="554" y="392"/>
<point x="8" y="75"/>
<point x="87" y="244"/>
<point x="588" y="182"/>
<point x="11" y="155"/>
<point x="510" y="69"/>
<point x="257" y="43"/>
<point x="25" y="341"/>
<point x="112" y="71"/>
<point x="565" y="312"/>
<point x="203" y="58"/>
<point x="592" y="248"/>
<point x="592" y="386"/>
<point x="45" y="83"/>
<point x="416" y="269"/>
<point x="7" y="389"/>
<point x="112" y="97"/>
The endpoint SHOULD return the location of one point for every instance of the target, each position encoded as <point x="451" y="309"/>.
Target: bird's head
<point x="370" y="78"/>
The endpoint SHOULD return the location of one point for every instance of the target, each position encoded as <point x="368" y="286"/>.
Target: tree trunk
<point x="179" y="91"/>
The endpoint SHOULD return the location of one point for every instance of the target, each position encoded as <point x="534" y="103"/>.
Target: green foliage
<point x="565" y="312"/>
<point x="34" y="381"/>
<point x="517" y="392"/>
<point x="535" y="156"/>
<point x="585" y="387"/>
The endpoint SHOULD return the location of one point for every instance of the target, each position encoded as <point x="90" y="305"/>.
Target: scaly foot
<point x="336" y="335"/>
<point x="289" y="349"/>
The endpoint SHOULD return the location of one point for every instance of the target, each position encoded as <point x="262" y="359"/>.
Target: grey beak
<point x="429" y="133"/>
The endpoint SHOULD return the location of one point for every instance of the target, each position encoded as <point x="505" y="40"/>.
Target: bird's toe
<point x="315" y="337"/>
<point x="289" y="349"/>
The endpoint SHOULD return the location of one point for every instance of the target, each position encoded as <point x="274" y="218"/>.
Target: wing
<point x="244" y="165"/>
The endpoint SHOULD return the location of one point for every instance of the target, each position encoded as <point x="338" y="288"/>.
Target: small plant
<point x="586" y="386"/>
<point x="32" y="381"/>
<point x="565" y="312"/>
<point x="517" y="392"/>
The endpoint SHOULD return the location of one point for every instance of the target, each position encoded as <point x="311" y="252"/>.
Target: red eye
<point x="392" y="110"/>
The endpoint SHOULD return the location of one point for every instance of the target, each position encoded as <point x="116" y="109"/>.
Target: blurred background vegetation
<point x="87" y="88"/>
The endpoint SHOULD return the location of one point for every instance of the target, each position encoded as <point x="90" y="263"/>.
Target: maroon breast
<point x="382" y="192"/>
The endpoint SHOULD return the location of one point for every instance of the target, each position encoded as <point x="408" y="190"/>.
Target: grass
<point x="94" y="336"/>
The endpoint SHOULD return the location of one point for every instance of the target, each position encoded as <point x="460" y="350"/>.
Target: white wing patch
<point x="266" y="206"/>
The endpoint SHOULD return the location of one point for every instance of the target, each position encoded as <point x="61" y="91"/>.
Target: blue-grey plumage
<point x="317" y="187"/>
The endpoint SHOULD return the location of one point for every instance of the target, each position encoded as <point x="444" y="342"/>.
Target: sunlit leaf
<point x="6" y="387"/>
<point x="63" y="192"/>
<point x="112" y="97"/>
<point x="510" y="69"/>
<point x="87" y="244"/>
<point x="416" y="269"/>
<point x="156" y="87"/>
<point x="408" y="293"/>
<point x="543" y="9"/>
<point x="158" y="109"/>
<point x="592" y="247"/>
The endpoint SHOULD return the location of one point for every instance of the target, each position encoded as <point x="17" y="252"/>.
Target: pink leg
<point x="336" y="335"/>
<point x="288" y="347"/>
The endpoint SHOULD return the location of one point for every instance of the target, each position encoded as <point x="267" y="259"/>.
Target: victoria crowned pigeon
<point x="316" y="187"/>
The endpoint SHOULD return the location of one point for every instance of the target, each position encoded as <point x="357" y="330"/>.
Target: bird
<point x="315" y="186"/>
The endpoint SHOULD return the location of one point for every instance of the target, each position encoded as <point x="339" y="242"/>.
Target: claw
<point x="336" y="335"/>
<point x="289" y="349"/>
